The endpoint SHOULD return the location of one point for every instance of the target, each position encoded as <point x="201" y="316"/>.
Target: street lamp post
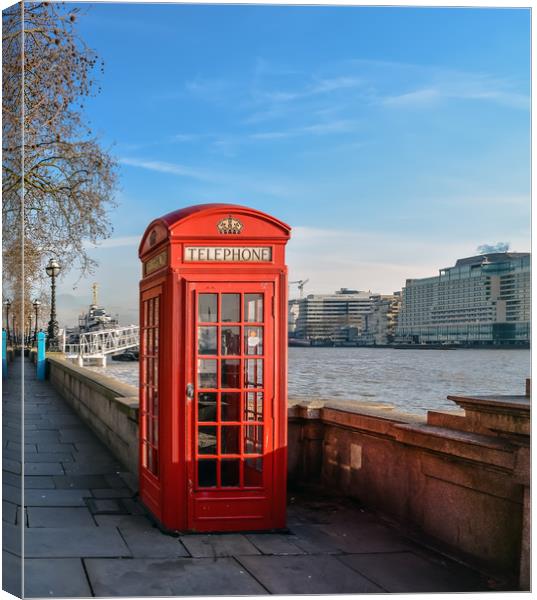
<point x="36" y="304"/>
<point x="7" y="304"/>
<point x="52" y="269"/>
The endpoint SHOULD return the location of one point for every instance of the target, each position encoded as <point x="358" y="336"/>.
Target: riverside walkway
<point x="86" y="535"/>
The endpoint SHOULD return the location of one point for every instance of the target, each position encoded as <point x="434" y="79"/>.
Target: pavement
<point x="85" y="534"/>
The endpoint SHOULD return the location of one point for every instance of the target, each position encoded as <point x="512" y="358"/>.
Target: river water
<point x="411" y="381"/>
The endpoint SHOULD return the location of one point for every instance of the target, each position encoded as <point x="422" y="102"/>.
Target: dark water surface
<point x="409" y="380"/>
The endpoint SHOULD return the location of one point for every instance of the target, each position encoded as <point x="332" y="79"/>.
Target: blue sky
<point x="393" y="140"/>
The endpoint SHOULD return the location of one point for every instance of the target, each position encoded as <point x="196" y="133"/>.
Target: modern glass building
<point x="331" y="318"/>
<point x="483" y="299"/>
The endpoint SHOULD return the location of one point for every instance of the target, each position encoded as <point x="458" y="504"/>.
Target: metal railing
<point x="107" y="341"/>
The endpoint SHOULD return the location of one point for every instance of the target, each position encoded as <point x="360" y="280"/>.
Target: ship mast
<point x="95" y="288"/>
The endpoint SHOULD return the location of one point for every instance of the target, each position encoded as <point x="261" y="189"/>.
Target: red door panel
<point x="230" y="399"/>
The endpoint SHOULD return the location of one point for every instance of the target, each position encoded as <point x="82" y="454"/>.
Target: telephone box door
<point x="230" y="401"/>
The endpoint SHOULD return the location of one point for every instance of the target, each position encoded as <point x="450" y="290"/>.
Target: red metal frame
<point x="174" y="494"/>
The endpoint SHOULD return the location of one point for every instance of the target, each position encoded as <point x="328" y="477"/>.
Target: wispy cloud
<point x="327" y="128"/>
<point x="229" y="182"/>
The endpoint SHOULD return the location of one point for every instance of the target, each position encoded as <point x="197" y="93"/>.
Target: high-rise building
<point x="381" y="321"/>
<point x="331" y="318"/>
<point x="483" y="299"/>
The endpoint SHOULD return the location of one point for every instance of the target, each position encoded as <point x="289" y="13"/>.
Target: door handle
<point x="189" y="390"/>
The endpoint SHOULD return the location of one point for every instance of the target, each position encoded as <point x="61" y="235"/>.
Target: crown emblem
<point x="229" y="225"/>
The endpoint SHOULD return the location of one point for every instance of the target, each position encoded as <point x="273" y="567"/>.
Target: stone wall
<point x="466" y="492"/>
<point x="459" y="480"/>
<point x="108" y="406"/>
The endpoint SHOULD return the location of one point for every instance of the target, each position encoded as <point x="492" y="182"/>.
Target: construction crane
<point x="300" y="284"/>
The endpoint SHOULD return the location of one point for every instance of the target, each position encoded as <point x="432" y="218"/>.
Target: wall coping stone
<point x="108" y="386"/>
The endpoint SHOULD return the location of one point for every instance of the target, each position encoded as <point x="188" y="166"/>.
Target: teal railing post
<point x="40" y="355"/>
<point x="4" y="354"/>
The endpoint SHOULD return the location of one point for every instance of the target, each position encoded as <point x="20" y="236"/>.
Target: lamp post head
<point x="53" y="267"/>
<point x="7" y="303"/>
<point x="36" y="304"/>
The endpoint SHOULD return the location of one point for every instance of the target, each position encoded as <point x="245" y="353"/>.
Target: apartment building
<point x="482" y="299"/>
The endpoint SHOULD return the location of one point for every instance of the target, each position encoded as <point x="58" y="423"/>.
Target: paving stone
<point x="56" y="497"/>
<point x="146" y="541"/>
<point x="57" y="577"/>
<point x="45" y="468"/>
<point x="112" y="493"/>
<point x="67" y="542"/>
<point x="78" y="481"/>
<point x="405" y="572"/>
<point x="17" y="446"/>
<point x="41" y="482"/>
<point x="48" y="457"/>
<point x="11" y="538"/>
<point x="41" y="516"/>
<point x="227" y="544"/>
<point x="40" y="437"/>
<point x="12" y="466"/>
<point x="12" y="455"/>
<point x="113" y="480"/>
<point x="11" y="479"/>
<point x="12" y="494"/>
<point x="9" y="512"/>
<point x="313" y="540"/>
<point x="368" y="537"/>
<point x="91" y="468"/>
<point x="172" y="577"/>
<point x="307" y="575"/>
<point x="12" y="574"/>
<point x="104" y="507"/>
<point x="119" y="520"/>
<point x="133" y="507"/>
<point x="55" y="447"/>
<point x="274" y="543"/>
<point x="76" y="435"/>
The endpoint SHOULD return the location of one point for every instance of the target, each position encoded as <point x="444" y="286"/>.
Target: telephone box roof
<point x="171" y="220"/>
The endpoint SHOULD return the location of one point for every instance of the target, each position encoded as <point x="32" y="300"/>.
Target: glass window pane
<point x="253" y="435"/>
<point x="207" y="374"/>
<point x="249" y="407"/>
<point x="156" y="316"/>
<point x="231" y="308"/>
<point x="231" y="340"/>
<point x="155" y="431"/>
<point x="253" y="372"/>
<point x="207" y="310"/>
<point x="230" y="439"/>
<point x="207" y="406"/>
<point x="207" y="440"/>
<point x="253" y="308"/>
<point x="231" y="374"/>
<point x="231" y="406"/>
<point x="207" y="473"/>
<point x="253" y="472"/>
<point x="207" y="340"/>
<point x="155" y="341"/>
<point x="155" y="403"/>
<point x="253" y="340"/>
<point x="230" y="472"/>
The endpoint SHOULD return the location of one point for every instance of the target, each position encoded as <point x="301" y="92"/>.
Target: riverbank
<point x="412" y="382"/>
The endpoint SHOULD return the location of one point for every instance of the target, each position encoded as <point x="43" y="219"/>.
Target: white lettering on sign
<point x="227" y="254"/>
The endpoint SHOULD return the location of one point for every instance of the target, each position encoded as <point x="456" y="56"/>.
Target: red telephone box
<point x="213" y="369"/>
